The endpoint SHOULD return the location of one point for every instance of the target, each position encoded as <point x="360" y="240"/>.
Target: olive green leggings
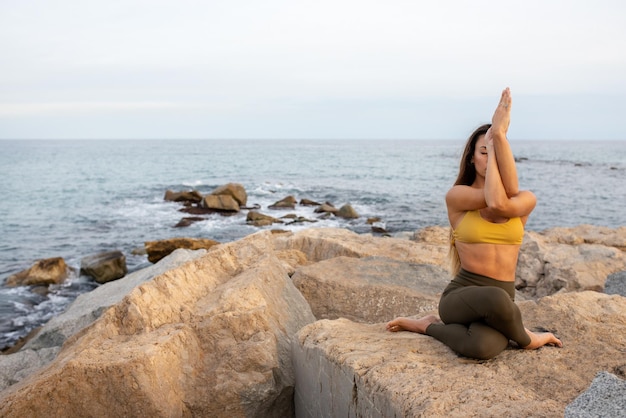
<point x="479" y="316"/>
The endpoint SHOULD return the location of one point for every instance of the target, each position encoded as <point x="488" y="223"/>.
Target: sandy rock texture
<point x="211" y="338"/>
<point x="293" y="324"/>
<point x="382" y="374"/>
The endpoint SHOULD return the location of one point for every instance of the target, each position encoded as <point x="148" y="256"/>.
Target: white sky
<point x="310" y="69"/>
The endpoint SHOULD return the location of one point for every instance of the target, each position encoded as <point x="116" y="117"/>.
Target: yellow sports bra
<point x="474" y="229"/>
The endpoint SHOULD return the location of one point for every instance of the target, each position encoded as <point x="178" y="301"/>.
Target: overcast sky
<point x="310" y="69"/>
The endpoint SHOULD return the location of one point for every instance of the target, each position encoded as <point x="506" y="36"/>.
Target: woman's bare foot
<point x="413" y="325"/>
<point x="539" y="339"/>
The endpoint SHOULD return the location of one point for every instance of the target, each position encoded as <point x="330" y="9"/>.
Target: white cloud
<point x="238" y="58"/>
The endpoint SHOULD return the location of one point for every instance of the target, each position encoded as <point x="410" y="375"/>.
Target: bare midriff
<point x="497" y="261"/>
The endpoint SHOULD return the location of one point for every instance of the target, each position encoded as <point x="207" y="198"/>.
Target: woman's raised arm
<point x="499" y="127"/>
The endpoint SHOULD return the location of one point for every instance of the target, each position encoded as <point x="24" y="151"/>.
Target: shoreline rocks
<point x="104" y="267"/>
<point x="232" y="330"/>
<point x="43" y="272"/>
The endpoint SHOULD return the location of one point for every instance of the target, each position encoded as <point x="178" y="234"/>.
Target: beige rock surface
<point x="156" y="250"/>
<point x="324" y="243"/>
<point x="371" y="289"/>
<point x="211" y="338"/>
<point x="588" y="234"/>
<point x="215" y="336"/>
<point x="43" y="272"/>
<point x="547" y="266"/>
<point x="344" y="368"/>
<point x="236" y="190"/>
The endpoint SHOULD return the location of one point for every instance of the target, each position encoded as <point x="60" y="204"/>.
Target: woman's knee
<point x="487" y="344"/>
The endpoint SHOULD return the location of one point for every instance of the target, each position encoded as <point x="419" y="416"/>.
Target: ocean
<point x="77" y="198"/>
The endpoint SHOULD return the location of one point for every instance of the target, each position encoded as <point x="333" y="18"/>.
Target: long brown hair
<point x="467" y="175"/>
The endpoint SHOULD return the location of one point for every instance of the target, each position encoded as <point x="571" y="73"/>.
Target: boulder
<point x="42" y="348"/>
<point x="235" y="190"/>
<point x="347" y="212"/>
<point x="43" y="272"/>
<point x="547" y="266"/>
<point x="309" y="202"/>
<point x="587" y="234"/>
<point x="222" y="203"/>
<point x="211" y="338"/>
<point x="104" y="267"/>
<point x="433" y="235"/>
<point x="345" y="368"/>
<point x="326" y="208"/>
<point x="287" y="203"/>
<point x="324" y="243"/>
<point x="259" y="219"/>
<point x="229" y="333"/>
<point x="606" y="397"/>
<point x="192" y="196"/>
<point x="616" y="284"/>
<point x="188" y="220"/>
<point x="370" y="289"/>
<point x="156" y="250"/>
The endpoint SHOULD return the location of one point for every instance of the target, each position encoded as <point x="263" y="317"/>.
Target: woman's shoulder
<point x="462" y="198"/>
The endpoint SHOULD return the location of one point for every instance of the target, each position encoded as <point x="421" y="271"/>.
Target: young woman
<point x="487" y="213"/>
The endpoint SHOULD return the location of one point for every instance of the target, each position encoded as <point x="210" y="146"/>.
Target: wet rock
<point x="308" y="202"/>
<point x="234" y="190"/>
<point x="326" y="208"/>
<point x="259" y="219"/>
<point x="185" y="222"/>
<point x="43" y="272"/>
<point x="104" y="267"/>
<point x="288" y="202"/>
<point x="225" y="203"/>
<point x="347" y="212"/>
<point x="156" y="250"/>
<point x="192" y="196"/>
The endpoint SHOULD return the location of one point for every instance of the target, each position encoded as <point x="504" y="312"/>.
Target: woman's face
<point x="480" y="156"/>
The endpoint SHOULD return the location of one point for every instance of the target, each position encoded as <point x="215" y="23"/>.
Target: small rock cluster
<point x="232" y="198"/>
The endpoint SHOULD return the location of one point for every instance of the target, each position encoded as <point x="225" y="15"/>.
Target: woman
<point x="487" y="213"/>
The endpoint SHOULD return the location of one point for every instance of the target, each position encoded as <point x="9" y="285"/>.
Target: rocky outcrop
<point x="288" y="202"/>
<point x="210" y="339"/>
<point x="224" y="203"/>
<point x="370" y="289"/>
<point x="156" y="250"/>
<point x="235" y="190"/>
<point x="232" y="332"/>
<point x="547" y="266"/>
<point x="193" y="196"/>
<point x="616" y="284"/>
<point x="259" y="219"/>
<point x="347" y="212"/>
<point x="606" y="397"/>
<point x="588" y="234"/>
<point x="104" y="267"/>
<point x="45" y="345"/>
<point x="344" y="368"/>
<point x="324" y="243"/>
<point x="43" y="272"/>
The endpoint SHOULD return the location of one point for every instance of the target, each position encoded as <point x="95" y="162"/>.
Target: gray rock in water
<point x="606" y="397"/>
<point x="616" y="284"/>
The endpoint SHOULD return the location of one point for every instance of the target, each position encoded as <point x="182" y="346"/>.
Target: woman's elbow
<point x="512" y="191"/>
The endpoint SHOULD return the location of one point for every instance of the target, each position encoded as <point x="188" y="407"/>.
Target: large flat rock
<point x="370" y="289"/>
<point x="348" y="369"/>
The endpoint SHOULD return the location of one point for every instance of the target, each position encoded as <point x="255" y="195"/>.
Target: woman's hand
<point x="502" y="116"/>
